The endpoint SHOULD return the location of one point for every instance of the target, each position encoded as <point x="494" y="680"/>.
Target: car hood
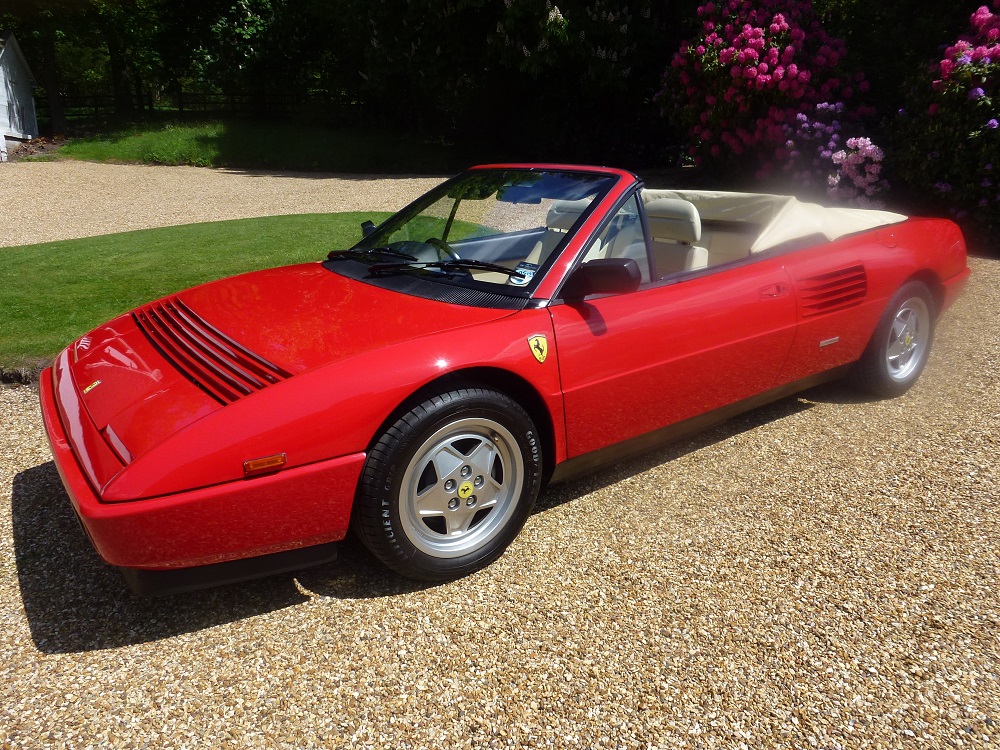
<point x="146" y="376"/>
<point x="300" y="317"/>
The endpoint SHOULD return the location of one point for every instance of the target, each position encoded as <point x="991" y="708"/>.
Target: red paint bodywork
<point x="154" y="465"/>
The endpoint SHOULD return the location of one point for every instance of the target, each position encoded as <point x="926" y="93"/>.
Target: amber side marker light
<point x="262" y="465"/>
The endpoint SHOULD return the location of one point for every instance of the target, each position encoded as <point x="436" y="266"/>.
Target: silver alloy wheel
<point x="909" y="338"/>
<point x="461" y="487"/>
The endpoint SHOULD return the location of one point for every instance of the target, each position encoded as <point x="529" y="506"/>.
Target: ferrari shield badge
<point x="539" y="346"/>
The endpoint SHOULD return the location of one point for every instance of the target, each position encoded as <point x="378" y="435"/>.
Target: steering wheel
<point x="442" y="245"/>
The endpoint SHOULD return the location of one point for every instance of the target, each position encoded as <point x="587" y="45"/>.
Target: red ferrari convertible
<point x="516" y="325"/>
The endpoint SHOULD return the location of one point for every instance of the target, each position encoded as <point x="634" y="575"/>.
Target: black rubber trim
<point x="180" y="580"/>
<point x="437" y="289"/>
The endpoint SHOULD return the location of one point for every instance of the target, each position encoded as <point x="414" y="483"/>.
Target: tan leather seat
<point x="560" y="219"/>
<point x="675" y="227"/>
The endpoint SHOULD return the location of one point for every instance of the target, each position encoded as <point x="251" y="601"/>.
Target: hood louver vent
<point x="225" y="370"/>
<point x="832" y="291"/>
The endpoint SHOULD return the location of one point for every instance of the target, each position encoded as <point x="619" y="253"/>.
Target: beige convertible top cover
<point x="783" y="218"/>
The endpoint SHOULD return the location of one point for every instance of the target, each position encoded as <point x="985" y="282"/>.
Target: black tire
<point x="449" y="485"/>
<point x="898" y="350"/>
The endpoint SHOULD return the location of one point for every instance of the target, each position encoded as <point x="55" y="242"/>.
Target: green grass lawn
<point x="268" y="145"/>
<point x="52" y="293"/>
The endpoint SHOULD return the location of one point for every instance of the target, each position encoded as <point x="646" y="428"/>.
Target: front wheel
<point x="898" y="350"/>
<point x="449" y="485"/>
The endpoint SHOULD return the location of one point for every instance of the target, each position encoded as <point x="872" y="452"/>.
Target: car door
<point x="674" y="349"/>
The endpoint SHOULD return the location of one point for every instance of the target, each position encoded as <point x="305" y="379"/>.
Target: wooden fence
<point x="83" y="111"/>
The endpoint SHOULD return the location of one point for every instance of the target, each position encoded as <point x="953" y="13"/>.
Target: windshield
<point x="494" y="227"/>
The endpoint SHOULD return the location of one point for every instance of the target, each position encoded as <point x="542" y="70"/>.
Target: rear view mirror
<point x="519" y="194"/>
<point x="367" y="227"/>
<point x="603" y="276"/>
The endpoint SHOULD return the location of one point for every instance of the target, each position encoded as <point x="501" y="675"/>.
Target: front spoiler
<point x="180" y="580"/>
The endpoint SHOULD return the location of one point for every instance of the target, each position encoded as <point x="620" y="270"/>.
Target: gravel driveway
<point x="45" y="201"/>
<point x="822" y="572"/>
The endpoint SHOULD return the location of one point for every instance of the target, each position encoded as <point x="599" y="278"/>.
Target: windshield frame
<point x="605" y="182"/>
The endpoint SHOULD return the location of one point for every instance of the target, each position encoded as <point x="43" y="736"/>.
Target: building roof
<point x="8" y="45"/>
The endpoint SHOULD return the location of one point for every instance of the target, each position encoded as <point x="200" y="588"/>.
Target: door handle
<point x="773" y="290"/>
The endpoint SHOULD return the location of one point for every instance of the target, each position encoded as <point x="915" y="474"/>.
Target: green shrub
<point x="947" y="137"/>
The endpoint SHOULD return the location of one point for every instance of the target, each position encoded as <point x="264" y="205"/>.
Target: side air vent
<point x="225" y="370"/>
<point x="833" y="291"/>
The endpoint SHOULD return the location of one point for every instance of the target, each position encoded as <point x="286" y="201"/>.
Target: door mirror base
<point x="602" y="276"/>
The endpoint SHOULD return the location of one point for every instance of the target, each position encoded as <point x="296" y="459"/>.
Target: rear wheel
<point x="898" y="350"/>
<point x="449" y="485"/>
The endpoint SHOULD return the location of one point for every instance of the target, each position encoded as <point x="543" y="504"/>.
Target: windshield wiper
<point x="369" y="254"/>
<point x="444" y="265"/>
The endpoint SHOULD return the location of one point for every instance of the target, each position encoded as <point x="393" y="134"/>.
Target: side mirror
<point x="603" y="276"/>
<point x="367" y="227"/>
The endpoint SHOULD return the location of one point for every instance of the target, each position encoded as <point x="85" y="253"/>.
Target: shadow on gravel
<point x="838" y="392"/>
<point x="75" y="602"/>
<point x="575" y="488"/>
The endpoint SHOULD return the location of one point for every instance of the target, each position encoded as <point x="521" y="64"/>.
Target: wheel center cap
<point x="465" y="489"/>
<point x="908" y="340"/>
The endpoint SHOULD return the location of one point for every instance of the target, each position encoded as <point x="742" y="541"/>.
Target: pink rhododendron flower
<point x="762" y="62"/>
<point x="949" y="145"/>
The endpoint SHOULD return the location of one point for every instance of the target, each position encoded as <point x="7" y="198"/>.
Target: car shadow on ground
<point x="838" y="392"/>
<point x="75" y="602"/>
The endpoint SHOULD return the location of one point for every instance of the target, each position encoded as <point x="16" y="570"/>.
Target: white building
<point x="17" y="102"/>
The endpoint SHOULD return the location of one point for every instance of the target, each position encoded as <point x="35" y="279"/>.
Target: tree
<point x="40" y="26"/>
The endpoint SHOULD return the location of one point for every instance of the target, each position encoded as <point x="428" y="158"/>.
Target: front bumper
<point x="299" y="507"/>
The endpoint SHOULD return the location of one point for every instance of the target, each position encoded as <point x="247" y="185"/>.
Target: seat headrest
<point x="563" y="214"/>
<point x="674" y="219"/>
